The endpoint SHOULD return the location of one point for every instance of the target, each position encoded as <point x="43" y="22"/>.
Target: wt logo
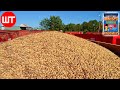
<point x="8" y="19"/>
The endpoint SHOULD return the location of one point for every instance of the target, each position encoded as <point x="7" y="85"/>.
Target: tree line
<point x="55" y="23"/>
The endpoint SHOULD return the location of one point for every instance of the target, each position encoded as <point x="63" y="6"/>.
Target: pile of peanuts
<point x="56" y="55"/>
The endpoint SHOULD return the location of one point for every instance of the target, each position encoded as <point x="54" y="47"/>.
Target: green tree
<point x="52" y="23"/>
<point x="55" y="23"/>
<point x="93" y="26"/>
<point x="84" y="26"/>
<point x="64" y="27"/>
<point x="70" y="27"/>
<point x="100" y="26"/>
<point x="45" y="24"/>
<point x="77" y="27"/>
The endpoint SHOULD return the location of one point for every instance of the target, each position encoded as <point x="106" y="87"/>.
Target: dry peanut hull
<point x="56" y="55"/>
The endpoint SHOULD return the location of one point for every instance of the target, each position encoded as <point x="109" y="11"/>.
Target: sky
<point x="32" y="18"/>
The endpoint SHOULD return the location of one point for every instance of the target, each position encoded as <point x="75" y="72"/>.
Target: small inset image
<point x="111" y="23"/>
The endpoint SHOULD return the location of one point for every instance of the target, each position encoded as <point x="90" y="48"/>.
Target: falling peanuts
<point x="56" y="55"/>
